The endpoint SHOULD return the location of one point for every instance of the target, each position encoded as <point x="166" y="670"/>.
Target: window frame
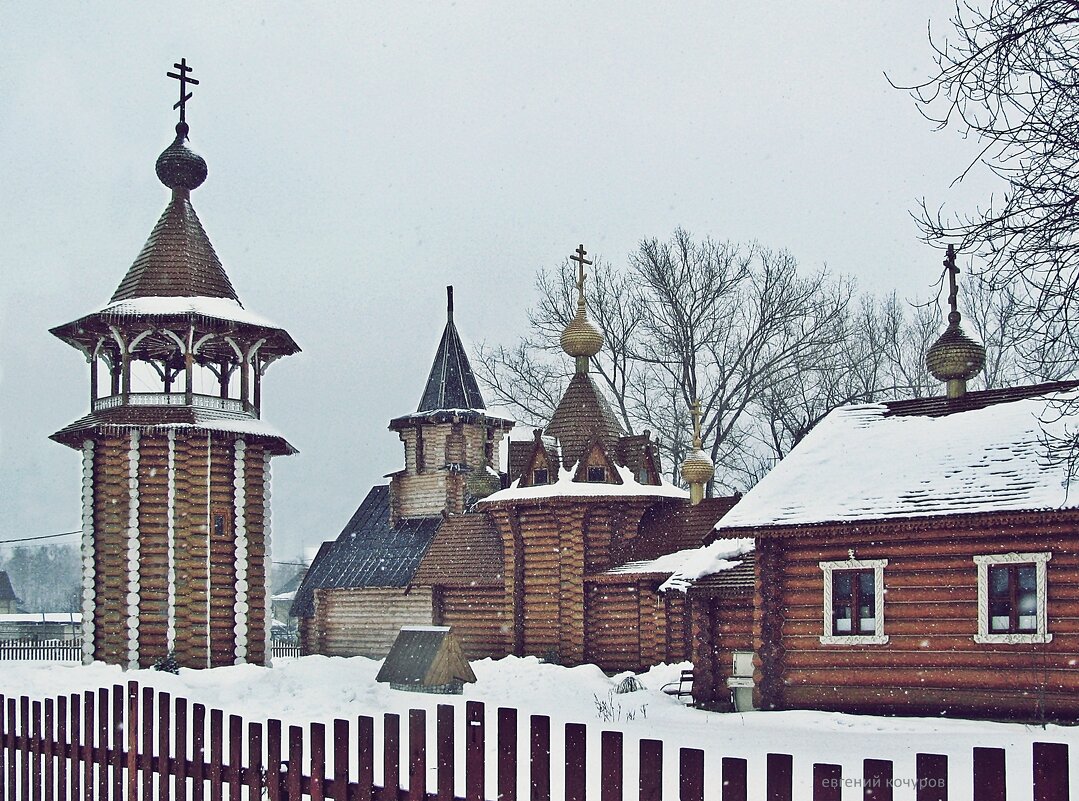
<point x="597" y="467"/>
<point x="535" y="476"/>
<point x="1040" y="562"/>
<point x="878" y="637"/>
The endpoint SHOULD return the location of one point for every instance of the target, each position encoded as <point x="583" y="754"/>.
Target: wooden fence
<point x="131" y="743"/>
<point x="71" y="650"/>
<point x="43" y="650"/>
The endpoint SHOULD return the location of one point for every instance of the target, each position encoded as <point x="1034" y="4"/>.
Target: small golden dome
<point x="955" y="356"/>
<point x="581" y="338"/>
<point x="697" y="468"/>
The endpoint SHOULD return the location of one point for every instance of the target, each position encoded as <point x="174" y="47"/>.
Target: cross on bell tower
<point x="182" y="76"/>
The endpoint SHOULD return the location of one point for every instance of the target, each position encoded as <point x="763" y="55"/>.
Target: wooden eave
<point x="973" y="524"/>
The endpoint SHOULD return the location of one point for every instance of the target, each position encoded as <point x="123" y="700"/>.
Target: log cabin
<point x="175" y="480"/>
<point x="921" y="556"/>
<point x="563" y="562"/>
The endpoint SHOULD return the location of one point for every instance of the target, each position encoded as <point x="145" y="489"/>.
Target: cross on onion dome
<point x="579" y="257"/>
<point x="182" y="76"/>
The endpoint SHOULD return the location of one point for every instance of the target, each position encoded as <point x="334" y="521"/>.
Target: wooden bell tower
<point x="175" y="455"/>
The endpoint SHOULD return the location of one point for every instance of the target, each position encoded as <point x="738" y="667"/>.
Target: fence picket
<point x="651" y="770"/>
<point x="444" y="752"/>
<point x="340" y="760"/>
<point x="417" y="755"/>
<point x="931" y="775"/>
<point x="293" y="780"/>
<point x="217" y="737"/>
<point x="575" y="746"/>
<point x="827" y="782"/>
<point x="75" y="710"/>
<point x="180" y="749"/>
<point x="164" y="729"/>
<point x="273" y="760"/>
<point x="989" y="778"/>
<point x="391" y="756"/>
<point x="507" y="754"/>
<point x="318" y="762"/>
<point x="24" y="747"/>
<point x="132" y="744"/>
<point x="690" y="774"/>
<point x="1050" y="772"/>
<point x="198" y="752"/>
<point x="365" y="769"/>
<point x="474" y="742"/>
<point x="610" y="766"/>
<point x="48" y="750"/>
<point x="254" y="761"/>
<point x="35" y="750"/>
<point x="236" y="744"/>
<point x="780" y="772"/>
<point x="734" y="779"/>
<point x="146" y="756"/>
<point x="119" y="698"/>
<point x="540" y="758"/>
<point x="876" y="780"/>
<point x="61" y="746"/>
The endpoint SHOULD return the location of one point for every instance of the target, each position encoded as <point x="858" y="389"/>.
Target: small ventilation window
<point x="221" y="524"/>
<point x="540" y="476"/>
<point x="597" y="474"/>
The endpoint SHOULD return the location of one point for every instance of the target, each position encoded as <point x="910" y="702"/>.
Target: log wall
<point x="364" y="622"/>
<point x="720" y="625"/>
<point x="203" y="479"/>
<point x="478" y="618"/>
<point x="931" y="663"/>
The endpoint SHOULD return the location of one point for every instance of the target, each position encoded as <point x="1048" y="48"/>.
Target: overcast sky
<point x="363" y="156"/>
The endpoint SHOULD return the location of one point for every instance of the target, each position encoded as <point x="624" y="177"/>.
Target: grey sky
<point x="363" y="156"/>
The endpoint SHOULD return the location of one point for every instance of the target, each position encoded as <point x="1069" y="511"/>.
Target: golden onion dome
<point x="955" y="356"/>
<point x="697" y="468"/>
<point x="581" y="338"/>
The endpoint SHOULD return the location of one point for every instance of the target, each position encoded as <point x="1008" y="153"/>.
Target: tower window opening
<point x="597" y="474"/>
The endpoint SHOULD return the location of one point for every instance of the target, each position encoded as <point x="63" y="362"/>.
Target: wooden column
<point x="258" y="387"/>
<point x="245" y="378"/>
<point x="93" y="380"/>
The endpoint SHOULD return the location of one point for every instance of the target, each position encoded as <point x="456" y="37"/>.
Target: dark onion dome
<point x="955" y="356"/>
<point x="581" y="338"/>
<point x="179" y="167"/>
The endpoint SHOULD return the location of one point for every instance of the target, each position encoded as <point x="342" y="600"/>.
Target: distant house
<point x="38" y="626"/>
<point x="9" y="603"/>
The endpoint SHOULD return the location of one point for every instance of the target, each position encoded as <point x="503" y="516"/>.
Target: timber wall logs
<point x="478" y="618"/>
<point x="613" y="626"/>
<point x="931" y="662"/>
<point x="721" y="625"/>
<point x="199" y="495"/>
<point x="365" y="622"/>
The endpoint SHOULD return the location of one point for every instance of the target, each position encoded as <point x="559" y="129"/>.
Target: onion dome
<point x="581" y="338"/>
<point x="954" y="358"/>
<point x="180" y="167"/>
<point x="697" y="468"/>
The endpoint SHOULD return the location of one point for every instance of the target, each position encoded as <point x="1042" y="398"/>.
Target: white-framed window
<point x="854" y="602"/>
<point x="1012" y="599"/>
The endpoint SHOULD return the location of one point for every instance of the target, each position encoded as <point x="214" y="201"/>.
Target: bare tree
<point x="1006" y="77"/>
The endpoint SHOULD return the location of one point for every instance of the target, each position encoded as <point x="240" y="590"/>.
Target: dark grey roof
<point x="451" y="384"/>
<point x="7" y="593"/>
<point x="368" y="552"/>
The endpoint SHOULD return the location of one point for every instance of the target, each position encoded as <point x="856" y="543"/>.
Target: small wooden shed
<point x="426" y="659"/>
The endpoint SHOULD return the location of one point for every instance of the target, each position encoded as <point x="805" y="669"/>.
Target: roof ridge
<point x="941" y="405"/>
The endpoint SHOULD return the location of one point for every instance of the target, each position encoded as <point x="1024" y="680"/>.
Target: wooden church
<point x="561" y="557"/>
<point x="176" y="477"/>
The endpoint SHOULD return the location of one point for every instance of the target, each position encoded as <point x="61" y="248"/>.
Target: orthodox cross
<point x="953" y="271"/>
<point x="579" y="257"/>
<point x="696" y="422"/>
<point x="184" y="79"/>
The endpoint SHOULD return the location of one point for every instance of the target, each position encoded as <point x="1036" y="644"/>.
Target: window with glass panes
<point x="1013" y="598"/>
<point x="854" y="603"/>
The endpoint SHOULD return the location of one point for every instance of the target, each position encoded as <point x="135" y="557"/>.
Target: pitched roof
<point x="581" y="416"/>
<point x="425" y="656"/>
<point x="676" y="525"/>
<point x="465" y="552"/>
<point x="7" y="592"/>
<point x="451" y="383"/>
<point x="985" y="452"/>
<point x="369" y="552"/>
<point x="177" y="259"/>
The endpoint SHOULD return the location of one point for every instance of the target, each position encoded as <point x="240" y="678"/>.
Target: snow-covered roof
<point x="913" y="459"/>
<point x="567" y="487"/>
<point x="688" y="565"/>
<point x="216" y="308"/>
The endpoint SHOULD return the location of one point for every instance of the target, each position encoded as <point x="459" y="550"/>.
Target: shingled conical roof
<point x="177" y="259"/>
<point x="451" y="384"/>
<point x="583" y="415"/>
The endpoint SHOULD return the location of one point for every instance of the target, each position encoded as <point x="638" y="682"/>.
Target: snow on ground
<point x="316" y="688"/>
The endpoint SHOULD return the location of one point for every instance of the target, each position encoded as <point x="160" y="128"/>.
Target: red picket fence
<point x="131" y="743"/>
